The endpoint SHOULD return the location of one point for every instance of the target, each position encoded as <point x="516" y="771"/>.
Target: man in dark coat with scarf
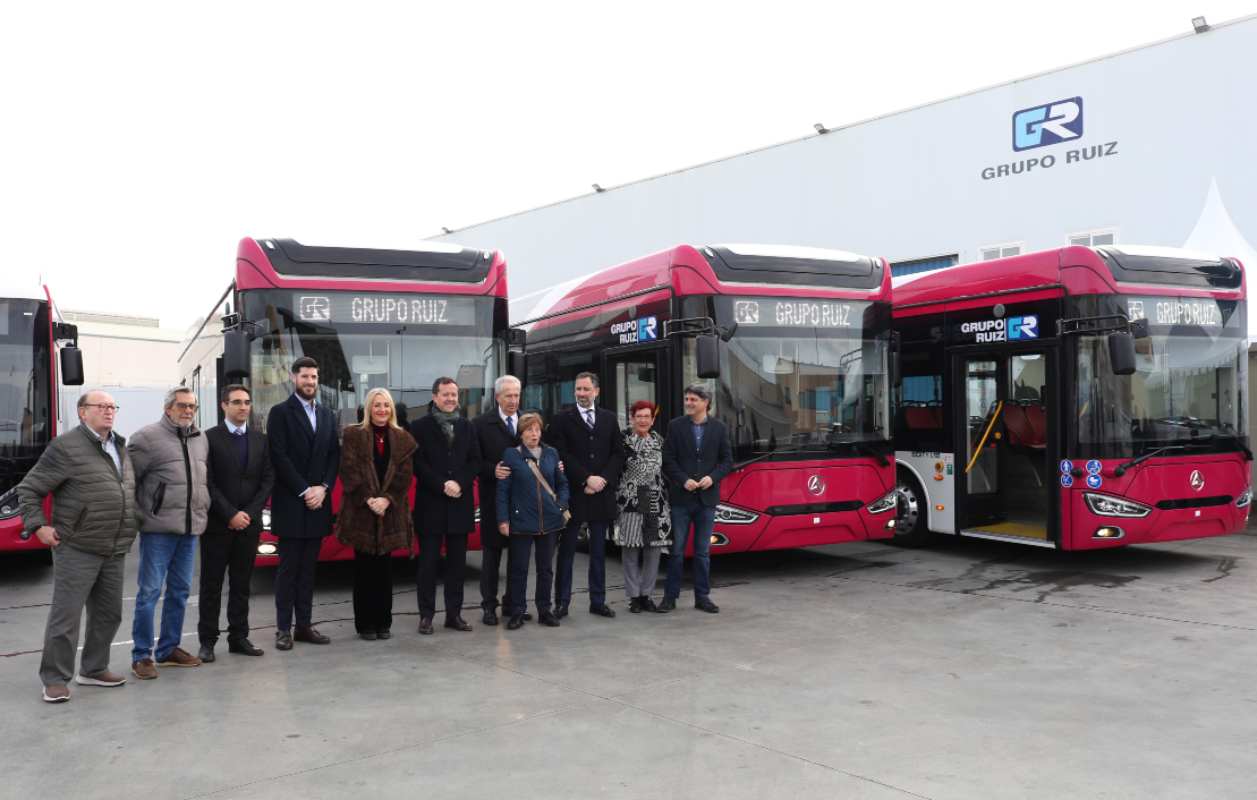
<point x="446" y="465"/>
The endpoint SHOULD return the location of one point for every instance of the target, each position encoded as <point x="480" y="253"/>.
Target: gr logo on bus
<point x="1051" y="123"/>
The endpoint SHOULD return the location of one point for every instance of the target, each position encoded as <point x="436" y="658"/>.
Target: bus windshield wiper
<point x="1226" y="437"/>
<point x="864" y="447"/>
<point x="769" y="454"/>
<point x="1134" y="462"/>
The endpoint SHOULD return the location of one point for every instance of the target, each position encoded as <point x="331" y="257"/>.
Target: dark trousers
<point x="517" y="584"/>
<point x="455" y="567"/>
<point x="492" y="545"/>
<point x="373" y="592"/>
<point x="597" y="563"/>
<point x="294" y="581"/>
<point x="230" y="554"/>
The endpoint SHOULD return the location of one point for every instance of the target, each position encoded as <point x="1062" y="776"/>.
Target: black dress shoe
<point x="369" y="636"/>
<point x="425" y="626"/>
<point x="705" y="604"/>
<point x="516" y="622"/>
<point x="527" y="617"/>
<point x="647" y="604"/>
<point x="384" y="634"/>
<point x="457" y="623"/>
<point x="635" y="605"/>
<point x="310" y="635"/>
<point x="283" y="640"/>
<point x="244" y="647"/>
<point x="490" y="617"/>
<point x="602" y="611"/>
<point x="548" y="619"/>
<point x="560" y="612"/>
<point x="206" y="654"/>
<point x="668" y="604"/>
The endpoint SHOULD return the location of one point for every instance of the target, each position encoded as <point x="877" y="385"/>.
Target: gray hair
<point x="502" y="382"/>
<point x="175" y="392"/>
<point x="699" y="390"/>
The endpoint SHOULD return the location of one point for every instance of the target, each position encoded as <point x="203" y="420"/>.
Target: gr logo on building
<point x="1052" y="123"/>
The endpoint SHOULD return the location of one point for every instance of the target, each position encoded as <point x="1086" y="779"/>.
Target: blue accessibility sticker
<point x="1067" y="480"/>
<point x="1094" y="467"/>
<point x="1067" y="466"/>
<point x="1095" y="481"/>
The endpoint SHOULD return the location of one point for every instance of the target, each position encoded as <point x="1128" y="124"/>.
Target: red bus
<point x="1075" y="398"/>
<point x="396" y="319"/>
<point x="796" y="344"/>
<point x="33" y="406"/>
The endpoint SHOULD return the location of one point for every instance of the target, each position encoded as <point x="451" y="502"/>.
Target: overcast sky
<point x="142" y="140"/>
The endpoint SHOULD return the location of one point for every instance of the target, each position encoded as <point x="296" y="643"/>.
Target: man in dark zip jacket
<point x="88" y="474"/>
<point x="172" y="493"/>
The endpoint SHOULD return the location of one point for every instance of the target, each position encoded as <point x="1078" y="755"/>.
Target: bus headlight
<point x="267" y="548"/>
<point x="728" y="515"/>
<point x="266" y="519"/>
<point x="1106" y="505"/>
<point x="884" y="504"/>
<point x="1243" y="501"/>
<point x="9" y="507"/>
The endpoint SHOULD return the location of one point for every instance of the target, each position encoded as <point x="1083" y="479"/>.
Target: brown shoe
<point x="105" y="678"/>
<point x="310" y="635"/>
<point x="56" y="693"/>
<point x="179" y="658"/>
<point x="144" y="669"/>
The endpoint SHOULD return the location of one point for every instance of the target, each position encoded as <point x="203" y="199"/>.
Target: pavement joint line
<point x="701" y="728"/>
<point x="549" y="712"/>
<point x="1055" y="604"/>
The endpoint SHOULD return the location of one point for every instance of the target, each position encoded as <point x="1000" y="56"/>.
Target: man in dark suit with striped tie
<point x="240" y="478"/>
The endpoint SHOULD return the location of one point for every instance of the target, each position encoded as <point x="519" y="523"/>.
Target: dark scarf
<point x="446" y="421"/>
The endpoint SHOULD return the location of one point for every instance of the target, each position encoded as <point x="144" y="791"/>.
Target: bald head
<point x="97" y="411"/>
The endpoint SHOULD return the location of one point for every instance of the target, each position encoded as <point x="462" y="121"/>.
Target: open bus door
<point x="632" y="374"/>
<point x="1005" y="430"/>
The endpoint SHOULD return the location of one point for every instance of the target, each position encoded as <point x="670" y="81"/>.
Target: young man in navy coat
<point x="591" y="447"/>
<point x="696" y="456"/>
<point x="305" y="451"/>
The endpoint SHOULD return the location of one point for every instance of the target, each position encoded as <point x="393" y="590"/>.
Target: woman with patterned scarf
<point x="643" y="525"/>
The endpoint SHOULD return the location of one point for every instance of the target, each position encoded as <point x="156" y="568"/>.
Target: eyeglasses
<point x="105" y="408"/>
<point x="186" y="406"/>
<point x="245" y="402"/>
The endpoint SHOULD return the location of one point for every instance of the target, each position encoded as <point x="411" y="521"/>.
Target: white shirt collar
<point x="512" y="418"/>
<point x="232" y="429"/>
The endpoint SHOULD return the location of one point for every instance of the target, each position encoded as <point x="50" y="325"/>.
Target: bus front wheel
<point x="910" y="524"/>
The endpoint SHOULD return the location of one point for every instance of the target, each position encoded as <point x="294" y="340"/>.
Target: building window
<point x="993" y="251"/>
<point x="915" y="265"/>
<point x="1099" y="238"/>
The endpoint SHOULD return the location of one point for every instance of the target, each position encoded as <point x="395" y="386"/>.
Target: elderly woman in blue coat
<point x="532" y="508"/>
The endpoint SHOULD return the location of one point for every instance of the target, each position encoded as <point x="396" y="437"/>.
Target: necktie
<point x="589" y="418"/>
<point x="510" y="425"/>
<point x="241" y="440"/>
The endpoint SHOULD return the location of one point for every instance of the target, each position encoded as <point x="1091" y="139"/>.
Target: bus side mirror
<point x="71" y="365"/>
<point x="235" y="354"/>
<point x="1122" y="353"/>
<point x="708" y="356"/>
<point x="517" y="364"/>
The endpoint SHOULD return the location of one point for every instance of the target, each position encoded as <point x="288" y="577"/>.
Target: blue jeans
<point x="597" y="564"/>
<point x="703" y="518"/>
<point x="165" y="559"/>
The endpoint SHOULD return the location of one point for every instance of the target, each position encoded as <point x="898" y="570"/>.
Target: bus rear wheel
<point x="910" y="514"/>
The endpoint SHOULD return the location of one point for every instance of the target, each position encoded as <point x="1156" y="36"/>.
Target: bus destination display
<point x="787" y="313"/>
<point x="1203" y="312"/>
<point x="384" y="308"/>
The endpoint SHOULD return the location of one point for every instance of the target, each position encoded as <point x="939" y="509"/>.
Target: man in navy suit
<point x="240" y="478"/>
<point x="305" y="451"/>
<point x="696" y="456"/>
<point x="591" y="447"/>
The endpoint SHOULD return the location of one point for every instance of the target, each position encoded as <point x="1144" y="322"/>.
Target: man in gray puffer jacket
<point x="88" y="474"/>
<point x="173" y="497"/>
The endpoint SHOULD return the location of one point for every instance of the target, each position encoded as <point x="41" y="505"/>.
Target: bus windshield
<point x="1188" y="388"/>
<point x="804" y="376"/>
<point x="367" y="344"/>
<point x="25" y="392"/>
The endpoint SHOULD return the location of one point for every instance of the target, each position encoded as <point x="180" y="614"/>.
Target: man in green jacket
<point x="92" y="484"/>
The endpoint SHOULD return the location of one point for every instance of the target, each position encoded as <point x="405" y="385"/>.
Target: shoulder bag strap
<point x="541" y="479"/>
